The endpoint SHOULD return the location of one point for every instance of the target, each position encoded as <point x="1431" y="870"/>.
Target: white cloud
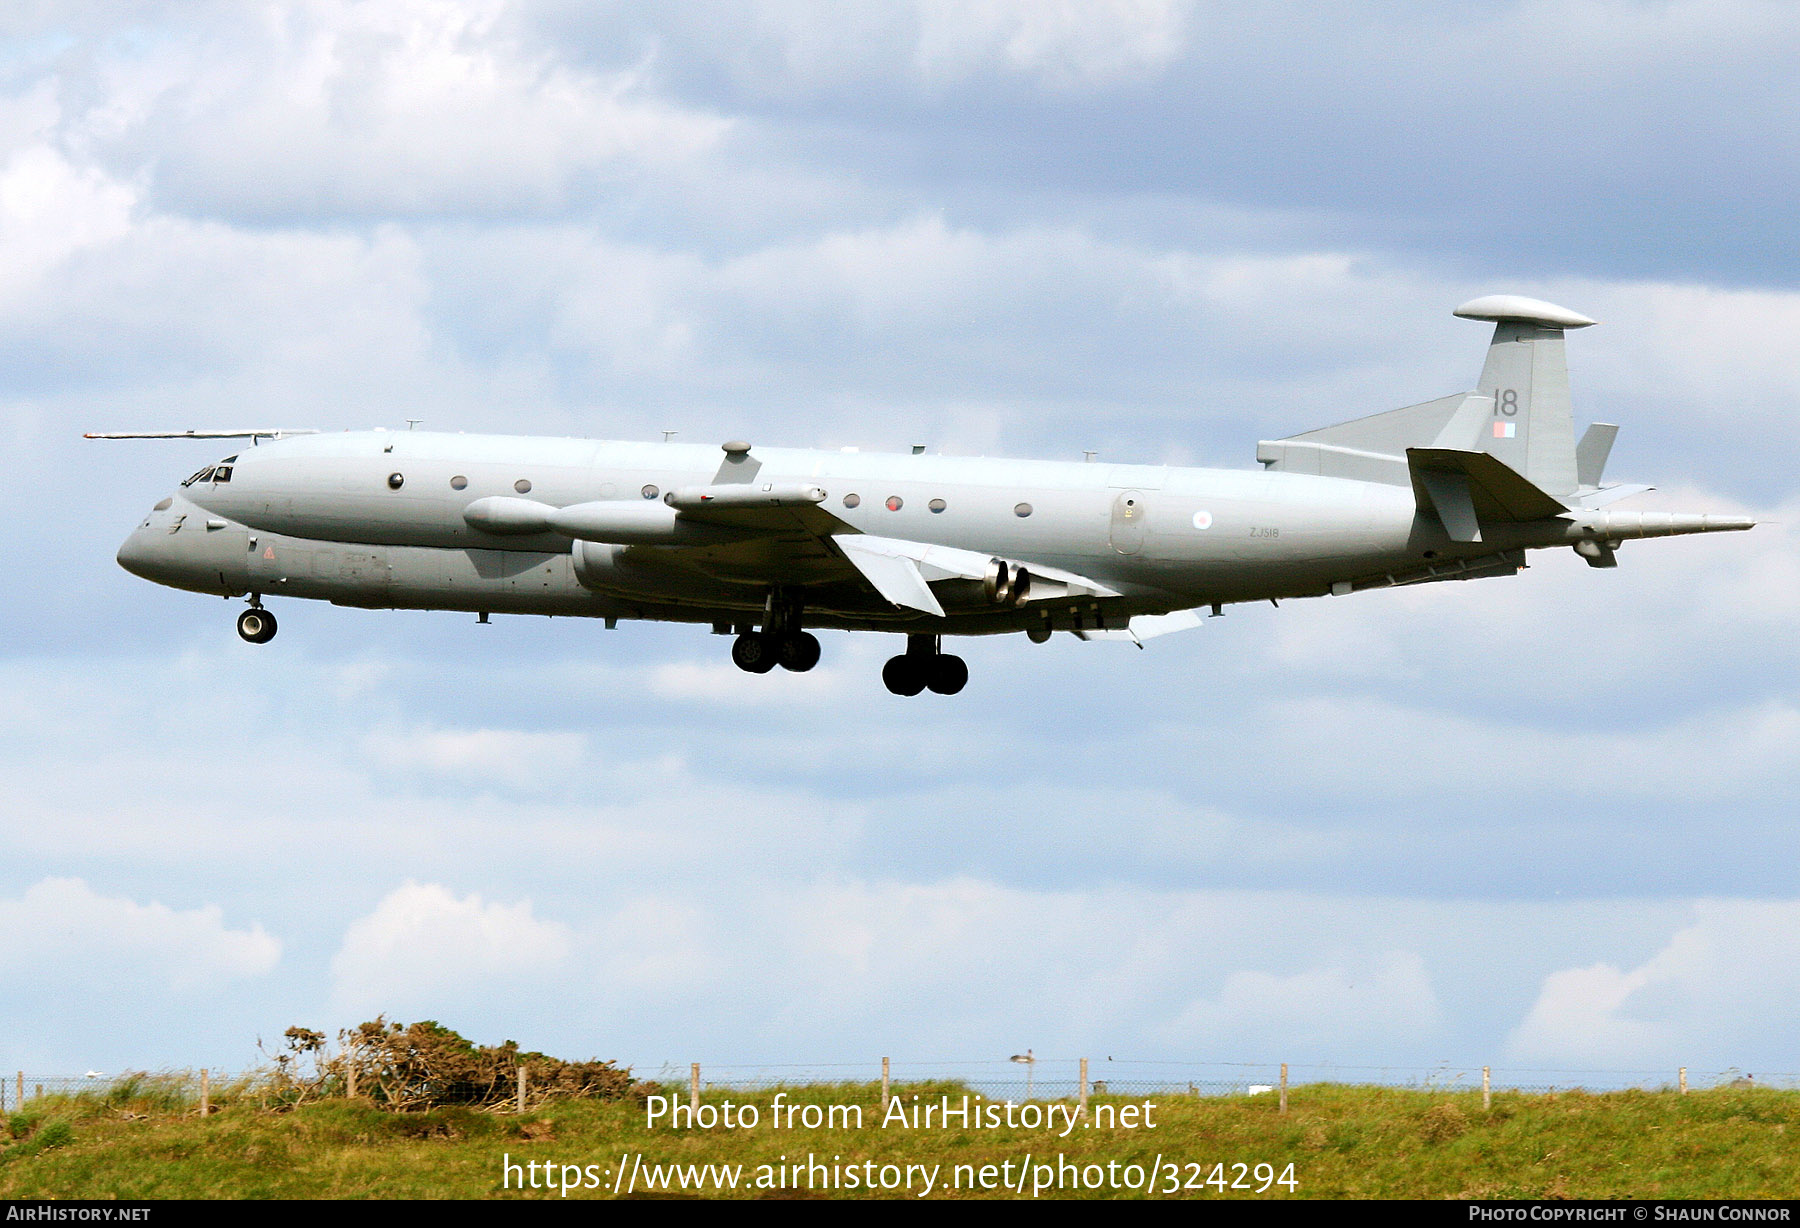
<point x="1336" y="1009"/>
<point x="1365" y="744"/>
<point x="395" y="108"/>
<point x="512" y="757"/>
<point x="723" y="682"/>
<point x="1717" y="994"/>
<point x="1063" y="43"/>
<point x="423" y="945"/>
<point x="49" y="210"/>
<point x="61" y="927"/>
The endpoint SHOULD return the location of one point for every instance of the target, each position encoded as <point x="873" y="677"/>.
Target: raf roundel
<point x="1203" y="519"/>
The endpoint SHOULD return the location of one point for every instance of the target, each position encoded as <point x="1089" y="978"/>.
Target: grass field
<point x="146" y="1140"/>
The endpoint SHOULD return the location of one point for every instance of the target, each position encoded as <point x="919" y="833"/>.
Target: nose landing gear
<point x="256" y="625"/>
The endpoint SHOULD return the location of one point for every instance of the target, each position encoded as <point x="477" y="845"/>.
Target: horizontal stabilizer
<point x="1495" y="491"/>
<point x="1611" y="494"/>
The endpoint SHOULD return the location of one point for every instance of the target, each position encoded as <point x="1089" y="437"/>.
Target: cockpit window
<point x="214" y="473"/>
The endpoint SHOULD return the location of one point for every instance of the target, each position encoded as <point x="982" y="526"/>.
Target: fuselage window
<point x="523" y="486"/>
<point x="895" y="503"/>
<point x="396" y="481"/>
<point x="937" y="505"/>
<point x="852" y="500"/>
<point x="459" y="482"/>
<point x="649" y="492"/>
<point x="1022" y="510"/>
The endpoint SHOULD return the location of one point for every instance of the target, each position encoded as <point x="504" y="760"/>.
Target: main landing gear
<point x="782" y="642"/>
<point x="758" y="652"/>
<point x="256" y="624"/>
<point x="923" y="665"/>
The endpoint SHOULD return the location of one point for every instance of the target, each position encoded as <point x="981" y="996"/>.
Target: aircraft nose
<point x="136" y="554"/>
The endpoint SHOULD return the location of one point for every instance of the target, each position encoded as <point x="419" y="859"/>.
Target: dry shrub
<point x="1443" y="1122"/>
<point x="424" y="1065"/>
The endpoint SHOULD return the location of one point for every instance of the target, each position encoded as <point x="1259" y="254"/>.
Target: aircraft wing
<point x="273" y="432"/>
<point x="781" y="535"/>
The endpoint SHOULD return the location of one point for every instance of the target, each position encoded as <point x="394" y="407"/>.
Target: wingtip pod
<point x="1501" y="308"/>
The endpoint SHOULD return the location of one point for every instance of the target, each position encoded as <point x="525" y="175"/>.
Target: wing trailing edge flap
<point x="1466" y="488"/>
<point x="1148" y="627"/>
<point x="893" y="574"/>
<point x="902" y="571"/>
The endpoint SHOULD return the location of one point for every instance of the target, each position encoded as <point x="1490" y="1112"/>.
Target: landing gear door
<point x="366" y="575"/>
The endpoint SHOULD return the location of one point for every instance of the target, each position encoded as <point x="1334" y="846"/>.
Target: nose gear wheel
<point x="256" y="625"/>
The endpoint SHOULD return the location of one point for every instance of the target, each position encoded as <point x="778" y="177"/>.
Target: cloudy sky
<point x="1543" y="822"/>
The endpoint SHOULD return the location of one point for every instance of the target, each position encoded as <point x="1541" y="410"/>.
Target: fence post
<point x="205" y="1093"/>
<point x="884" y="1086"/>
<point x="1284" y="1087"/>
<point x="521" y="1089"/>
<point x="694" y="1089"/>
<point x="1684" y="1080"/>
<point x="1487" y="1095"/>
<point x="1084" y="1087"/>
<point x="350" y="1076"/>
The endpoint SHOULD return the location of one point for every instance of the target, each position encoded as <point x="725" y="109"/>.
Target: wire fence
<point x="1038" y="1078"/>
<point x="1016" y="1079"/>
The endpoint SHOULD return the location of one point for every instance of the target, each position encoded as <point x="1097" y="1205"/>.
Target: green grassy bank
<point x="148" y="1141"/>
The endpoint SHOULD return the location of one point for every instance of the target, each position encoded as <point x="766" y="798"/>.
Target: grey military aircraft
<point x="763" y="543"/>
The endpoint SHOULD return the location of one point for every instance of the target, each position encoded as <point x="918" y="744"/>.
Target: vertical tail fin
<point x="1532" y="427"/>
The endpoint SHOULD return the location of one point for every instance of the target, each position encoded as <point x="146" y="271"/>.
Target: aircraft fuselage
<point x="377" y="519"/>
<point x="766" y="542"/>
